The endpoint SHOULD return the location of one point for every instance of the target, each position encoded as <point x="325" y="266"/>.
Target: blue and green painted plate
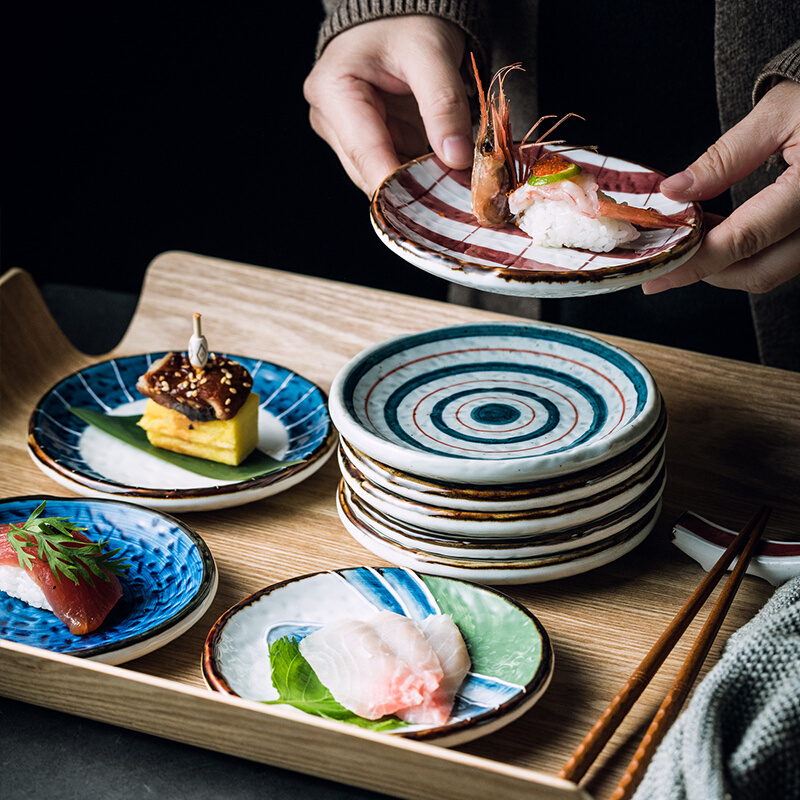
<point x="511" y="654"/>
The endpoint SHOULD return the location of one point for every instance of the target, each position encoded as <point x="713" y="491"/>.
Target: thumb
<point x="444" y="108"/>
<point x="739" y="151"/>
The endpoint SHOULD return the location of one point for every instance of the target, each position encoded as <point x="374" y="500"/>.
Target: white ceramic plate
<point x="294" y="426"/>
<point x="512" y="659"/>
<point x="414" y="549"/>
<point x="508" y="497"/>
<point x="422" y="212"/>
<point x="494" y="403"/>
<point x="170" y="585"/>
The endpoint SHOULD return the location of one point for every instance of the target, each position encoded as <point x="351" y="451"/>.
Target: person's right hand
<point x="389" y="90"/>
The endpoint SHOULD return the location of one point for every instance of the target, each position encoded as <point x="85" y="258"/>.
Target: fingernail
<point x="657" y="285"/>
<point x="457" y="151"/>
<point x="680" y="182"/>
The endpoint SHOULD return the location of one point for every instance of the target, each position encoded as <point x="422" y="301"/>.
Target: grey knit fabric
<point x="739" y="737"/>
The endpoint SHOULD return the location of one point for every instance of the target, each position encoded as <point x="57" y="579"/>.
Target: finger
<point x="765" y="220"/>
<point x="329" y="135"/>
<point x="355" y="120"/>
<point x="444" y="109"/>
<point x="763" y="272"/>
<point x="740" y="150"/>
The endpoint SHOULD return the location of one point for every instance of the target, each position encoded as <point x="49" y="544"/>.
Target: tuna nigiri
<point x="51" y="564"/>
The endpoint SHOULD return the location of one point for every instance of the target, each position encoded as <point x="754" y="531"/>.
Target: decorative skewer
<point x="586" y="753"/>
<point x="198" y="346"/>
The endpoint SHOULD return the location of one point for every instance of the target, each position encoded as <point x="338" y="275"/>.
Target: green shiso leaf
<point x="57" y="545"/>
<point x="298" y="685"/>
<point x="124" y="428"/>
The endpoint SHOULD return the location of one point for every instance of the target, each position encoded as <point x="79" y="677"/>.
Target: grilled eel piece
<point x="217" y="391"/>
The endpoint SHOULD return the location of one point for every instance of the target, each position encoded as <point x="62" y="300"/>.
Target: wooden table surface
<point x="733" y="443"/>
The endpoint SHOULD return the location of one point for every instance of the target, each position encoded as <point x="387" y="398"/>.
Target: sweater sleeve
<point x="784" y="65"/>
<point x="344" y="14"/>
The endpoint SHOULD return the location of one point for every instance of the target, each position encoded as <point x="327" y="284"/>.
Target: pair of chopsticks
<point x="583" y="757"/>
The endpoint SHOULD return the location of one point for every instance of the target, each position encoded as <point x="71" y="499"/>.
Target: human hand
<point x="757" y="247"/>
<point x="382" y="90"/>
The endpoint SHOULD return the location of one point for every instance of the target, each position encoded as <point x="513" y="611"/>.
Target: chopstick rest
<point x="593" y="743"/>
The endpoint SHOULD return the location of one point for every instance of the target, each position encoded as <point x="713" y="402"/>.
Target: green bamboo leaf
<point x="125" y="429"/>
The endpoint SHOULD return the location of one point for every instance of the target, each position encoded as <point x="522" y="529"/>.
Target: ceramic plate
<point x="494" y="403"/>
<point x="293" y="426"/>
<point x="371" y="534"/>
<point x="423" y="213"/>
<point x="170" y="585"/>
<point x="506" y="524"/>
<point x="508" y="497"/>
<point x="512" y="659"/>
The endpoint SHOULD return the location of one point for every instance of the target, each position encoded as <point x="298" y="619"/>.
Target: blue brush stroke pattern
<point x="299" y="405"/>
<point x="171" y="572"/>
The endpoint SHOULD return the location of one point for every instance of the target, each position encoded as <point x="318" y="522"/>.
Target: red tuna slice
<point x="81" y="607"/>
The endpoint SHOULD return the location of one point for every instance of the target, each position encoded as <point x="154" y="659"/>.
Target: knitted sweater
<point x="755" y="44"/>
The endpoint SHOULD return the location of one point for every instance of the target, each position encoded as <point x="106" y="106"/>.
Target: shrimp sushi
<point x="549" y="198"/>
<point x="80" y="601"/>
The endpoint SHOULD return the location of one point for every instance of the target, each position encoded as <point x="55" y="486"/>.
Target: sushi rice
<point x="17" y="583"/>
<point x="555" y="223"/>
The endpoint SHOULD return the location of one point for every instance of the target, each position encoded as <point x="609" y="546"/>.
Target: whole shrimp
<point x="491" y="177"/>
<point x="494" y="171"/>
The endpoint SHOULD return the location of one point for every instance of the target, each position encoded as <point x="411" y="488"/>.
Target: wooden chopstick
<point x="671" y="706"/>
<point x="594" y="741"/>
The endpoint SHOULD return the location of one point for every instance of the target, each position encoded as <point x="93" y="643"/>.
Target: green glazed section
<point x="503" y="642"/>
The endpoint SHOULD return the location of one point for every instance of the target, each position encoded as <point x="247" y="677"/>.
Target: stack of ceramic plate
<point x="500" y="453"/>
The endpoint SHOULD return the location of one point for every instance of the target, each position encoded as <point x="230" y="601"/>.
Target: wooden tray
<point x="732" y="444"/>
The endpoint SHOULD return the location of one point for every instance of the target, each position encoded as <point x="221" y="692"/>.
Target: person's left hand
<point x="757" y="247"/>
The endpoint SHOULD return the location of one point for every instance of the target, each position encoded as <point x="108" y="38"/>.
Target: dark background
<point x="129" y="133"/>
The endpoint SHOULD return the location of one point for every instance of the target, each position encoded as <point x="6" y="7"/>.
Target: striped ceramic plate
<point x="422" y="212"/>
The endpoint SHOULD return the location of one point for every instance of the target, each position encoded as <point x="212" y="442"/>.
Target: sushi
<point x="445" y="639"/>
<point x="51" y="564"/>
<point x="550" y="198"/>
<point x="389" y="664"/>
<point x="200" y="405"/>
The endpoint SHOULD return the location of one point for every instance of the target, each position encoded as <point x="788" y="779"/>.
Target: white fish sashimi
<point x="389" y="664"/>
<point x="448" y="644"/>
<point x="363" y="673"/>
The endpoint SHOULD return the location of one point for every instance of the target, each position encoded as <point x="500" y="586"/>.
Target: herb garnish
<point x="298" y="685"/>
<point x="64" y="553"/>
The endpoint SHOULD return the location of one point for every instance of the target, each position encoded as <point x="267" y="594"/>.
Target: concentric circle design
<point x="491" y="403"/>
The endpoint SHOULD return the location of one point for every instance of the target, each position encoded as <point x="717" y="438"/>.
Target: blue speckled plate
<point x="512" y="659"/>
<point x="294" y="426"/>
<point x="494" y="403"/>
<point x="170" y="585"/>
